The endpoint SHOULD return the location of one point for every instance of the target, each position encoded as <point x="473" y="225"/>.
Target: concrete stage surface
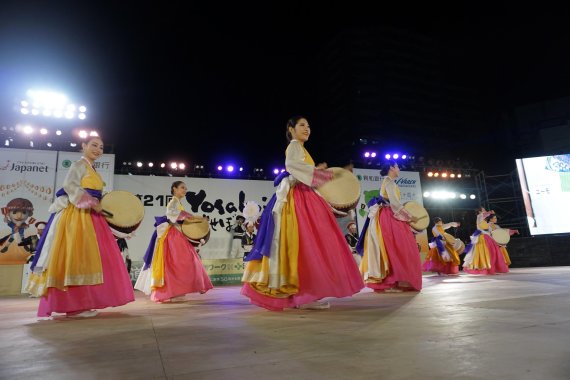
<point x="510" y="326"/>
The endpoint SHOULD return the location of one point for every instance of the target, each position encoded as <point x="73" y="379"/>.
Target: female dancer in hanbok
<point x="492" y="221"/>
<point x="300" y="255"/>
<point x="442" y="258"/>
<point x="78" y="266"/>
<point x="172" y="268"/>
<point x="483" y="254"/>
<point x="391" y="261"/>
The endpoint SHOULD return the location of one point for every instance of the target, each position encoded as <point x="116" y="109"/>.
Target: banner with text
<point x="219" y="199"/>
<point x="26" y="192"/>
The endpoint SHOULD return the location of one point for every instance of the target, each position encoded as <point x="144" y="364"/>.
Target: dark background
<point x="214" y="82"/>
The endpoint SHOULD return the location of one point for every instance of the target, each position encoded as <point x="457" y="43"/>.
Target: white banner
<point x="105" y="166"/>
<point x="26" y="191"/>
<point x="219" y="199"/>
<point x="410" y="190"/>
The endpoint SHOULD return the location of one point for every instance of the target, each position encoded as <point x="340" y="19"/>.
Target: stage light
<point x="173" y="165"/>
<point x="28" y="130"/>
<point x="427" y="194"/>
<point x="24" y="103"/>
<point x="404" y="156"/>
<point x="58" y="132"/>
<point x="81" y="116"/>
<point x="49" y="145"/>
<point x="43" y="131"/>
<point x="430" y="174"/>
<point x="35" y="112"/>
<point x="163" y="165"/>
<point x="452" y="175"/>
<point x="452" y="195"/>
<point x="220" y="168"/>
<point x="150" y="164"/>
<point x="459" y="175"/>
<point x="463" y="196"/>
<point x="69" y="115"/>
<point x="436" y="174"/>
<point x="83" y="134"/>
<point x="230" y="168"/>
<point x="25" y="111"/>
<point x="241" y="169"/>
<point x="82" y="109"/>
<point x="71" y="107"/>
<point x="181" y="166"/>
<point x="367" y="154"/>
<point x="31" y="144"/>
<point x="73" y="145"/>
<point x="472" y="196"/>
<point x="444" y="175"/>
<point x="7" y="142"/>
<point x="396" y="155"/>
<point x="387" y="156"/>
<point x="139" y="164"/>
<point x="93" y="134"/>
<point x="275" y="171"/>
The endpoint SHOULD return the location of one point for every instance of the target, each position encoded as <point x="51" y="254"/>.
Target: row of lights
<point x="51" y="104"/>
<point x="230" y="169"/>
<point x="28" y="131"/>
<point x="446" y="195"/>
<point x="444" y="175"/>
<point x="387" y="156"/>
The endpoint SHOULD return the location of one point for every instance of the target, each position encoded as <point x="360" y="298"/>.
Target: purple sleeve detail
<point x="320" y="177"/>
<point x="86" y="201"/>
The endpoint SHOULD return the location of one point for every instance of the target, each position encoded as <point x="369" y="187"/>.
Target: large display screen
<point x="545" y="184"/>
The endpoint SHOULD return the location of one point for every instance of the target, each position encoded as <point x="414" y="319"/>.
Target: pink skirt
<point x="402" y="251"/>
<point x="496" y="258"/>
<point x="116" y="289"/>
<point x="434" y="263"/>
<point x="183" y="270"/>
<point x="326" y="266"/>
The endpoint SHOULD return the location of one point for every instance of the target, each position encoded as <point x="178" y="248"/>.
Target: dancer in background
<point x="300" y="255"/>
<point x="352" y="240"/>
<point x="391" y="261"/>
<point x="172" y="267"/>
<point x="492" y="221"/>
<point x="483" y="254"/>
<point x="442" y="257"/>
<point x="78" y="267"/>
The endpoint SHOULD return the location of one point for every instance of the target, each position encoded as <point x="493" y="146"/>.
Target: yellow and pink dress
<point x="442" y="257"/>
<point x="300" y="254"/>
<point x="172" y="267"/>
<point x="78" y="266"/>
<point x="390" y="257"/>
<point x="483" y="254"/>
<point x="503" y="248"/>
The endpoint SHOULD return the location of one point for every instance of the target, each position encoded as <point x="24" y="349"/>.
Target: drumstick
<point x="107" y="213"/>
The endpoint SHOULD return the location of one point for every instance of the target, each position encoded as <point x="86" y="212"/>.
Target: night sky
<point x="217" y="82"/>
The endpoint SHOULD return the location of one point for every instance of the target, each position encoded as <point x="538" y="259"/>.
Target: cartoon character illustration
<point x="20" y="225"/>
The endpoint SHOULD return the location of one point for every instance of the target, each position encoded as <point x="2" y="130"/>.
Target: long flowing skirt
<point x="184" y="273"/>
<point x="313" y="260"/>
<point x="396" y="257"/>
<point x="115" y="289"/>
<point x="485" y="257"/>
<point x="434" y="261"/>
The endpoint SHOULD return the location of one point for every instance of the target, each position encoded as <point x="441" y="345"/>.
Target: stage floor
<point x="511" y="326"/>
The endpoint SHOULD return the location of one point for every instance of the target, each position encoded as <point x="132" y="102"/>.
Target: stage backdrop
<point x="26" y="191"/>
<point x="410" y="190"/>
<point x="219" y="199"/>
